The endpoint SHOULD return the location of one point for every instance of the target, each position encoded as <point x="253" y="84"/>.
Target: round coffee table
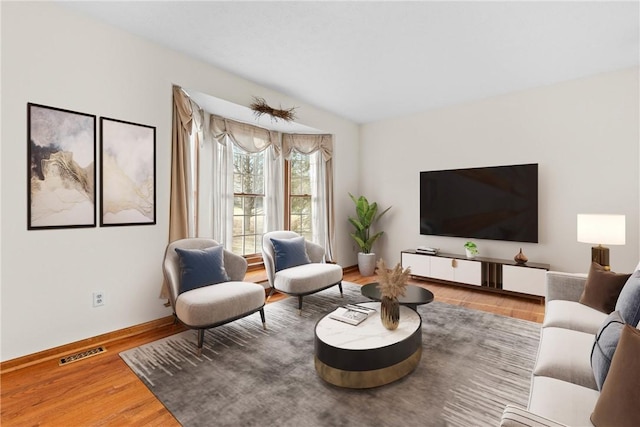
<point x="367" y="355"/>
<point x="414" y="295"/>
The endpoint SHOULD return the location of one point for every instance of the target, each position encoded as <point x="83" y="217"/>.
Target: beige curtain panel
<point x="181" y="129"/>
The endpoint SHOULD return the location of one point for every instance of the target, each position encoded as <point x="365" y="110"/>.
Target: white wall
<point x="582" y="133"/>
<point x="54" y="57"/>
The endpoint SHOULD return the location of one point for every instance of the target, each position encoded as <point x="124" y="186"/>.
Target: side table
<point x="414" y="295"/>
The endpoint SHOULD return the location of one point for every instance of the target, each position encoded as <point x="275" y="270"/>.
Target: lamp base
<point x="600" y="254"/>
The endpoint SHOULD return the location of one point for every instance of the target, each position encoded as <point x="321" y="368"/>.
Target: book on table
<point x="352" y="314"/>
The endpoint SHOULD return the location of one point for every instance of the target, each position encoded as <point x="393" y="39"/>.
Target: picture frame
<point x="61" y="175"/>
<point x="127" y="173"/>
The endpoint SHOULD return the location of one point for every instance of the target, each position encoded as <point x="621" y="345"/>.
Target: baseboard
<point x="63" y="350"/>
<point x="349" y="269"/>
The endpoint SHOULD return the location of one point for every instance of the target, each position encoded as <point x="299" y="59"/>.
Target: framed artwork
<point x="127" y="173"/>
<point x="61" y="170"/>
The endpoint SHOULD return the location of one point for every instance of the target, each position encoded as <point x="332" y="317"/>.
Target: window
<point x="298" y="191"/>
<point x="248" y="202"/>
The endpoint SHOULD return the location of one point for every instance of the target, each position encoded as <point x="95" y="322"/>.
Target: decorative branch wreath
<point x="260" y="107"/>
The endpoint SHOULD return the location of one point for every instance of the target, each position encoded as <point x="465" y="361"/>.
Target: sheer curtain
<point x="193" y="173"/>
<point x="252" y="139"/>
<point x="321" y="149"/>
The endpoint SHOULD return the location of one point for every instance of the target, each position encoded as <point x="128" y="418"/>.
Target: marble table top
<point x="369" y="334"/>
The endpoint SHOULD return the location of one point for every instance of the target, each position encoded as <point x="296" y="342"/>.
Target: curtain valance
<point x="250" y="138"/>
<point x="307" y="144"/>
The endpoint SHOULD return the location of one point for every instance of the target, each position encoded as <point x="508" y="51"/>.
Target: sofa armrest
<point x="512" y="416"/>
<point x="564" y="286"/>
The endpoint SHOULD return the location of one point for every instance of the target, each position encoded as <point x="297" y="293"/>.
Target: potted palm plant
<point x="366" y="215"/>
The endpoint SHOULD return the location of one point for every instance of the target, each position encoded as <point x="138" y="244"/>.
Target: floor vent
<point x="82" y="355"/>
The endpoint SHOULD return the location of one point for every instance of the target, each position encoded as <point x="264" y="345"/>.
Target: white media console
<point x="486" y="273"/>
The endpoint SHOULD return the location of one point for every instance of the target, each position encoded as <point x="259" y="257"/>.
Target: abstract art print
<point x="127" y="173"/>
<point x="61" y="170"/>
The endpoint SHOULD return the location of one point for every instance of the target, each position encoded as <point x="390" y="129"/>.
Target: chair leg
<point x="299" y="305"/>
<point x="271" y="291"/>
<point x="200" y="342"/>
<point x="264" y="322"/>
<point x="340" y="286"/>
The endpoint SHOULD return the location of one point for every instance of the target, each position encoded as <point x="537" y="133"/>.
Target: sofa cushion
<point x="605" y="345"/>
<point x="512" y="416"/>
<point x="572" y="315"/>
<point x="602" y="288"/>
<point x="564" y="354"/>
<point x="289" y="253"/>
<point x="618" y="403"/>
<point x="562" y="401"/>
<point x="628" y="303"/>
<point x="201" y="267"/>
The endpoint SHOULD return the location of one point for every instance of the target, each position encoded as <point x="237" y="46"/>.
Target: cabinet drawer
<point x="522" y="279"/>
<point x="469" y="272"/>
<point x="442" y="268"/>
<point x="419" y="264"/>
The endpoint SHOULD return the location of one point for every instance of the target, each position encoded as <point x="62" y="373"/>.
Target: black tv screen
<point x="494" y="203"/>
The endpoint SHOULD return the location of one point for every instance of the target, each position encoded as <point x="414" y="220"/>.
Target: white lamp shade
<point x="601" y="229"/>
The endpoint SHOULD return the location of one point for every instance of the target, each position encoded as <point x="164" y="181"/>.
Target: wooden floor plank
<point x="103" y="391"/>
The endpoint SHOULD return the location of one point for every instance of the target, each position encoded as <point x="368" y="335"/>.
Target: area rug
<point x="473" y="364"/>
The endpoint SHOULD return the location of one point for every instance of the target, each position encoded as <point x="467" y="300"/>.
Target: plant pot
<point x="469" y="253"/>
<point x="390" y="312"/>
<point x="366" y="263"/>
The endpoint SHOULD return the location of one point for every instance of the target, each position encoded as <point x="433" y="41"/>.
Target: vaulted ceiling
<point x="368" y="61"/>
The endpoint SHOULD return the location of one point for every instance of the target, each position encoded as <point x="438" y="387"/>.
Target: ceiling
<point x="368" y="61"/>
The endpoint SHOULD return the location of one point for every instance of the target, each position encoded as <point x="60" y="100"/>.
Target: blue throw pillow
<point x="628" y="303"/>
<point x="290" y="252"/>
<point x="605" y="346"/>
<point x="201" y="267"/>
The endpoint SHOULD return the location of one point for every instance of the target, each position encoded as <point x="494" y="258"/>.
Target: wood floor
<point x="103" y="391"/>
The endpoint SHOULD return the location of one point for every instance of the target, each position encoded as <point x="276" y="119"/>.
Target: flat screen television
<point x="494" y="203"/>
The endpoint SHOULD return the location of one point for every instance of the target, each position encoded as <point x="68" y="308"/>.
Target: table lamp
<point x="601" y="229"/>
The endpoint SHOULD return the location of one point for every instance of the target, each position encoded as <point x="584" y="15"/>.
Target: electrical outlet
<point x="98" y="298"/>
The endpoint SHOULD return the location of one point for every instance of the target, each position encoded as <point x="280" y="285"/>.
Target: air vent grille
<point x="81" y="355"/>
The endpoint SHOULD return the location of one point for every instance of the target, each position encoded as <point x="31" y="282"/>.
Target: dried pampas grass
<point x="260" y="108"/>
<point x="392" y="283"/>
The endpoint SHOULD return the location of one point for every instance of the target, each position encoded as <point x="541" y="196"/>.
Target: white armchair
<point x="213" y="302"/>
<point x="296" y="266"/>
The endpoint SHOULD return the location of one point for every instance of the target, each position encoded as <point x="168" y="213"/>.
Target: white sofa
<point x="563" y="389"/>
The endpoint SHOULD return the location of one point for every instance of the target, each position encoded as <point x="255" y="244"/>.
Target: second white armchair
<point x="296" y="266"/>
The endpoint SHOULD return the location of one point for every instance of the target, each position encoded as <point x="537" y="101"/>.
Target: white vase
<point x="366" y="263"/>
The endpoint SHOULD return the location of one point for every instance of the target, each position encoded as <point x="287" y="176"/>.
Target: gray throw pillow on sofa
<point x="628" y="303"/>
<point x="605" y="346"/>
